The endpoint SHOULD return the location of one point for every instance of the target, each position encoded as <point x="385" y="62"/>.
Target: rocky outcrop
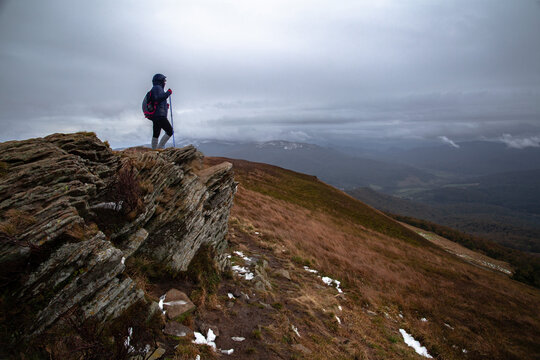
<point x="63" y="245"/>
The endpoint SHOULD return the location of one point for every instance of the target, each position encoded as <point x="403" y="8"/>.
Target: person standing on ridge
<point x="159" y="118"/>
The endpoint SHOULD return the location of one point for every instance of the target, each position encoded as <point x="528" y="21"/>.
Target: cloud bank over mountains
<point x="300" y="70"/>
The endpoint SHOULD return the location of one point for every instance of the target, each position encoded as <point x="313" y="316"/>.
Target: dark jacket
<point x="159" y="95"/>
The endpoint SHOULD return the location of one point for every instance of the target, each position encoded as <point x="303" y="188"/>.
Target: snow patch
<point x="123" y="261"/>
<point x="338" y="320"/>
<point x="329" y="281"/>
<point x="238" y="338"/>
<point x="310" y="270"/>
<point x="128" y="340"/>
<point x="241" y="254"/>
<point x="295" y="329"/>
<point x="231" y="296"/>
<point x="161" y="300"/>
<point x="340" y="308"/>
<point x="177" y="302"/>
<point x="423" y="320"/>
<point x="448" y="326"/>
<point x="242" y="271"/>
<point x="409" y="340"/>
<point x="209" y="340"/>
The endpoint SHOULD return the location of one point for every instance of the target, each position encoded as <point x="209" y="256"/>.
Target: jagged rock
<point x="283" y="273"/>
<point x="261" y="279"/>
<point x="195" y="213"/>
<point x="51" y="189"/>
<point x="158" y="353"/>
<point x="176" y="303"/>
<point x="134" y="242"/>
<point x="85" y="274"/>
<point x="176" y="329"/>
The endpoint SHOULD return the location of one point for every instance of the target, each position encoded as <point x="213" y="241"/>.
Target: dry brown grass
<point x="493" y="317"/>
<point x="14" y="222"/>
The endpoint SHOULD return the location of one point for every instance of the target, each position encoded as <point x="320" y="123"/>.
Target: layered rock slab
<point x="50" y="191"/>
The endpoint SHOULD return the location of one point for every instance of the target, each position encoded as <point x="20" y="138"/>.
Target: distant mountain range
<point x="331" y="166"/>
<point x="473" y="158"/>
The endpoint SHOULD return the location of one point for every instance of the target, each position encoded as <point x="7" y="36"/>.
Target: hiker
<point x="159" y="118"/>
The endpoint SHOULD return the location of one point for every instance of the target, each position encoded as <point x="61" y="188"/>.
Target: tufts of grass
<point x="3" y="168"/>
<point x="256" y="334"/>
<point x="16" y="222"/>
<point x="203" y="270"/>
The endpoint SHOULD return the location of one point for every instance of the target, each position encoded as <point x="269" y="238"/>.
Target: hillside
<point x="392" y="279"/>
<point x="142" y="254"/>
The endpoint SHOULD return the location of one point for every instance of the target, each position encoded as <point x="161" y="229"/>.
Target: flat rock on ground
<point x="177" y="303"/>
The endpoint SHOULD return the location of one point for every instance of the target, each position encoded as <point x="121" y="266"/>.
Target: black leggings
<point x="161" y="122"/>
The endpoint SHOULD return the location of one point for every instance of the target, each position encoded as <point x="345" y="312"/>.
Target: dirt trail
<point x="462" y="252"/>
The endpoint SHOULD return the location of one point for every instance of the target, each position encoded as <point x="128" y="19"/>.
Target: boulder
<point x="177" y="303"/>
<point x="283" y="273"/>
<point x="176" y="329"/>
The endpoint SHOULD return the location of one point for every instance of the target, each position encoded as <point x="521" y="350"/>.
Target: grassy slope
<point x="387" y="269"/>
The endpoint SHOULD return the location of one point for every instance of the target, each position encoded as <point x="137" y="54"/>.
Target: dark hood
<point x="158" y="79"/>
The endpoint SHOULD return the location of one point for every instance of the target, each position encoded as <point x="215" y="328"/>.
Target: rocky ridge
<point x="72" y="210"/>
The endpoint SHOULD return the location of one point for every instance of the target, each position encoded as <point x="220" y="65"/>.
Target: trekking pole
<point x="172" y="121"/>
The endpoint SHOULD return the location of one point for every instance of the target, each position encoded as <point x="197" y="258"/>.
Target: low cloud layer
<point x="244" y="70"/>
<point x="520" y="143"/>
<point x="446" y="140"/>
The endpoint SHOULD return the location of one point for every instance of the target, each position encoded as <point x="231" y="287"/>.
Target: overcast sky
<point x="302" y="70"/>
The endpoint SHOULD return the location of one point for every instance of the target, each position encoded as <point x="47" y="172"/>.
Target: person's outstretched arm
<point x="159" y="95"/>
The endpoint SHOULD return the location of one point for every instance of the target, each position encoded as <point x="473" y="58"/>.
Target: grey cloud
<point x="446" y="140"/>
<point x="520" y="143"/>
<point x="392" y="69"/>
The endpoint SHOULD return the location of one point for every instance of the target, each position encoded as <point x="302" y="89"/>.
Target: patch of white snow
<point x="123" y="260"/>
<point x="177" y="302"/>
<point x="310" y="270"/>
<point x="238" y="338"/>
<point x="241" y="254"/>
<point x="338" y="320"/>
<point x="340" y="308"/>
<point x="409" y="340"/>
<point x="209" y="340"/>
<point x="329" y="281"/>
<point x="423" y="320"/>
<point x="227" y="352"/>
<point x="161" y="300"/>
<point x="231" y="296"/>
<point x="242" y="271"/>
<point x="295" y="329"/>
<point x="210" y="336"/>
